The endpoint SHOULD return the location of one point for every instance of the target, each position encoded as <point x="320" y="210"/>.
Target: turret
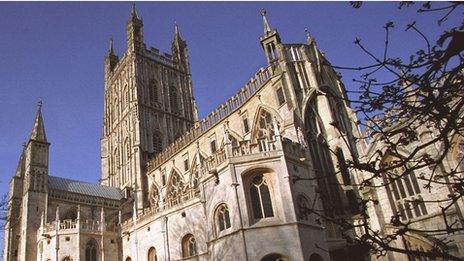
<point x="179" y="51"/>
<point x="134" y="31"/>
<point x="111" y="59"/>
<point x="37" y="156"/>
<point x="35" y="187"/>
<point x="269" y="40"/>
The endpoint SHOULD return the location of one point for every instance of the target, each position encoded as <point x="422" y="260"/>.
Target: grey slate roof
<point x="85" y="188"/>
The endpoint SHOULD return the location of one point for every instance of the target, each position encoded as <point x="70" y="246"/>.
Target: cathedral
<point x="175" y="187"/>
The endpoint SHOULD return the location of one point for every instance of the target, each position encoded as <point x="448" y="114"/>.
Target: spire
<point x="134" y="14"/>
<point x="176" y="31"/>
<point x="38" y="130"/>
<point x="111" y="48"/>
<point x="267" y="27"/>
<point x="317" y="53"/>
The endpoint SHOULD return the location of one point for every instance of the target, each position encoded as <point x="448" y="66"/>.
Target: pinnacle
<point x="38" y="130"/>
<point x="134" y="14"/>
<point x="267" y="27"/>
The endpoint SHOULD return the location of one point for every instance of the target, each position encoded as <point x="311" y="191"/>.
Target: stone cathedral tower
<point x="148" y="103"/>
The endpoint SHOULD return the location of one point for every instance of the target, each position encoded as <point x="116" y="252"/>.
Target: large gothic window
<point x="260" y="196"/>
<point x="328" y="186"/>
<point x="152" y="254"/>
<point x="189" y="246"/>
<point x="338" y="111"/>
<point x="404" y="191"/>
<point x="91" y="250"/>
<point x="176" y="185"/>
<point x="222" y="217"/>
<point x="265" y="127"/>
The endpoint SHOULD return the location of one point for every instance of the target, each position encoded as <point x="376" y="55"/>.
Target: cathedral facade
<point x="232" y="186"/>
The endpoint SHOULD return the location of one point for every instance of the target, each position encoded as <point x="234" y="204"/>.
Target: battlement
<point x="221" y="112"/>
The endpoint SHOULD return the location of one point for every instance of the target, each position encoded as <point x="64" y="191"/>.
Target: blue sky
<point x="55" y="51"/>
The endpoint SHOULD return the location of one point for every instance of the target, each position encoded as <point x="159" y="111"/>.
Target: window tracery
<point x="260" y="196"/>
<point x="404" y="191"/>
<point x="222" y="217"/>
<point x="189" y="246"/>
<point x="91" y="250"/>
<point x="328" y="186"/>
<point x="176" y="185"/>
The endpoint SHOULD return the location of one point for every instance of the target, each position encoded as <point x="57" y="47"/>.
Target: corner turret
<point x="269" y="40"/>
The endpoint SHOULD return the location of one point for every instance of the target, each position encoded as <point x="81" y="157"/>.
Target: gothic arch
<point x="127" y="149"/>
<point x="214" y="216"/>
<point x="152" y="254"/>
<point x="176" y="184"/>
<point x="157" y="141"/>
<point x="260" y="193"/>
<point x="312" y="94"/>
<point x="257" y="119"/>
<point x="91" y="250"/>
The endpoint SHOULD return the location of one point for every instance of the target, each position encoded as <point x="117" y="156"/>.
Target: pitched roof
<point x="85" y="188"/>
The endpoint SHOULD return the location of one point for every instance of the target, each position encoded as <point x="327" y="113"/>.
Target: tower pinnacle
<point x="38" y="130"/>
<point x="134" y="14"/>
<point x="176" y="31"/>
<point x="111" y="48"/>
<point x="267" y="27"/>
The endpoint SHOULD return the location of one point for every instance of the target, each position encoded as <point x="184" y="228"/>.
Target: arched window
<point x="91" y="250"/>
<point x="157" y="142"/>
<point x="265" y="126"/>
<point x="152" y="254"/>
<point x="222" y="217"/>
<point x="117" y="161"/>
<point x="338" y="111"/>
<point x="67" y="258"/>
<point x="153" y="92"/>
<point x="127" y="149"/>
<point x="403" y="190"/>
<point x="303" y="207"/>
<point x="260" y="196"/>
<point x="328" y="186"/>
<point x="173" y="99"/>
<point x="189" y="246"/>
<point x="128" y="258"/>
